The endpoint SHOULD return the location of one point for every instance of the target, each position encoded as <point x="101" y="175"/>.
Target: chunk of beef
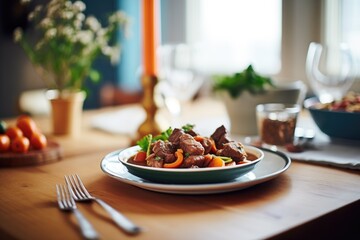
<point x="174" y="138"/>
<point x="190" y="146"/>
<point x="234" y="150"/>
<point x="153" y="161"/>
<point x="164" y="150"/>
<point x="207" y="144"/>
<point x="220" y="136"/>
<point x="191" y="133"/>
<point x="195" y="161"/>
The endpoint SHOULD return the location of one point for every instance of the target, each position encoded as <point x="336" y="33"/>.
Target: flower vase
<point x="66" y="111"/>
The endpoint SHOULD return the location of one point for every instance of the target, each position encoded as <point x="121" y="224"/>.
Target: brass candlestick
<point x="149" y="126"/>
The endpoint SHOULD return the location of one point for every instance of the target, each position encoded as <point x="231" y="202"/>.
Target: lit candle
<point x="149" y="38"/>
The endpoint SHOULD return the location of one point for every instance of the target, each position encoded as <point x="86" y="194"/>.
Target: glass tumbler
<point x="276" y="122"/>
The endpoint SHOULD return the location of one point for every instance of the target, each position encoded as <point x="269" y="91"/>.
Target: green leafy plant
<point x="65" y="43"/>
<point x="247" y="80"/>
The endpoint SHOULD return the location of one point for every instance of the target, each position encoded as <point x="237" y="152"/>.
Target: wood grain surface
<point x="306" y="202"/>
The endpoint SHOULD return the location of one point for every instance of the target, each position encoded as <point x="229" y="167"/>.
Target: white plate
<point x="273" y="164"/>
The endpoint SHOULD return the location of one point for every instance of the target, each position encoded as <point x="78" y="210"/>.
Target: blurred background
<point x="225" y="36"/>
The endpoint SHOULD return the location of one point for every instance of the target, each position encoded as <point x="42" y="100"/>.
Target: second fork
<point x="66" y="203"/>
<point x="80" y="193"/>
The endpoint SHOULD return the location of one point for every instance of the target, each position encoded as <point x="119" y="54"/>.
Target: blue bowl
<point x="336" y="124"/>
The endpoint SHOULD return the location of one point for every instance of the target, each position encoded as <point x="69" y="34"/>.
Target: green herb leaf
<point x="247" y="80"/>
<point x="188" y="127"/>
<point x="164" y="135"/>
<point x="225" y="159"/>
<point x="145" y="143"/>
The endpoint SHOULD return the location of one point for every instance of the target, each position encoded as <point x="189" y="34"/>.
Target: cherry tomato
<point x="38" y="141"/>
<point x="27" y="125"/>
<point x="140" y="156"/>
<point x="4" y="143"/>
<point x="20" y="144"/>
<point x="14" y="132"/>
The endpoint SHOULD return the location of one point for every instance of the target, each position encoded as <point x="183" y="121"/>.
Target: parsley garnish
<point x="188" y="127"/>
<point x="164" y="135"/>
<point x="145" y="143"/>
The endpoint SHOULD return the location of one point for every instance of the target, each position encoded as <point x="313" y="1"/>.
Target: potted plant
<point x="62" y="48"/>
<point x="242" y="91"/>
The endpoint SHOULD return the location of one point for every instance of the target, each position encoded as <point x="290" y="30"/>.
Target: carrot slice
<point x="216" y="162"/>
<point x="179" y="160"/>
<point x="213" y="146"/>
<point x="198" y="138"/>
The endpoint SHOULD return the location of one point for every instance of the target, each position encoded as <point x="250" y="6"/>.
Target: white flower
<point x="106" y="50"/>
<point x="85" y="37"/>
<point x="79" y="6"/>
<point x="78" y="22"/>
<point x="115" y="55"/>
<point x="50" y="33"/>
<point x="117" y="17"/>
<point x="46" y="23"/>
<point x="80" y="16"/>
<point x="35" y="13"/>
<point x="18" y="34"/>
<point x="68" y="4"/>
<point x="101" y="32"/>
<point x="93" y="23"/>
<point x="67" y="31"/>
<point x="67" y="15"/>
<point x="112" y="52"/>
<point x="31" y="16"/>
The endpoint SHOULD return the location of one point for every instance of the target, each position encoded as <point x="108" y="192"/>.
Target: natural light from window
<point x="350" y="26"/>
<point x="228" y="35"/>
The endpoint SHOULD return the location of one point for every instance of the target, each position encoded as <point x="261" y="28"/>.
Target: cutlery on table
<point x="67" y="203"/>
<point x="80" y="193"/>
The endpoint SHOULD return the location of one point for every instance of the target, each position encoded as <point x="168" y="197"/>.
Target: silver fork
<point x="80" y="193"/>
<point x="67" y="203"/>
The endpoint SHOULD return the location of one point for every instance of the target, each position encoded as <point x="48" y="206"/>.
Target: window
<point x="228" y="35"/>
<point x="341" y="24"/>
<point x="350" y="27"/>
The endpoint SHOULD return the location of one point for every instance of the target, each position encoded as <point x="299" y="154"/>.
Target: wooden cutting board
<point x="51" y="153"/>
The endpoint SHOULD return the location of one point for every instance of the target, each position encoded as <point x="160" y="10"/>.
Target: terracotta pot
<point x="66" y="111"/>
<point x="242" y="110"/>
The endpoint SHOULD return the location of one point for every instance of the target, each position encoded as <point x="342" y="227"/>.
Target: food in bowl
<point x="349" y="103"/>
<point x="184" y="148"/>
<point x="181" y="156"/>
<point x="334" y="121"/>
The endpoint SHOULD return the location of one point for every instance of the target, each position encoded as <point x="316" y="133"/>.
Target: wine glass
<point x="178" y="80"/>
<point x="331" y="71"/>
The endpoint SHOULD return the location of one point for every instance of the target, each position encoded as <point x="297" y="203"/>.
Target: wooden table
<point x="306" y="201"/>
